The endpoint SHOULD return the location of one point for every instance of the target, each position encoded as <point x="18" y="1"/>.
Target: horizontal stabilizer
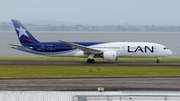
<point x="12" y="46"/>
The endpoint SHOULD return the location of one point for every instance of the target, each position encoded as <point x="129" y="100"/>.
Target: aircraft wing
<point x="83" y="48"/>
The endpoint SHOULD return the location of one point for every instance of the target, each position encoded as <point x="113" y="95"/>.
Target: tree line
<point x="32" y="27"/>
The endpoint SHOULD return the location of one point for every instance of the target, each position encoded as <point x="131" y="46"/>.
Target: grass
<point x="87" y="71"/>
<point x="84" y="59"/>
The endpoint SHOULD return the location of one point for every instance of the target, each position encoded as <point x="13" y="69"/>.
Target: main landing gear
<point x="90" y="60"/>
<point x="158" y="60"/>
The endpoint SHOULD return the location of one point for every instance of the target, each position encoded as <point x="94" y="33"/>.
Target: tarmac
<point x="91" y="84"/>
<point x="83" y="63"/>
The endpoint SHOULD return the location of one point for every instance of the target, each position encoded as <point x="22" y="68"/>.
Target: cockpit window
<point x="165" y="48"/>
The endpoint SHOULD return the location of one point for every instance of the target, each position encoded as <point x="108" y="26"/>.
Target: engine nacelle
<point x="110" y="55"/>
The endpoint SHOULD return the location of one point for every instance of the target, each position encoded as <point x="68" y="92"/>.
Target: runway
<point x="91" y="84"/>
<point x="83" y="63"/>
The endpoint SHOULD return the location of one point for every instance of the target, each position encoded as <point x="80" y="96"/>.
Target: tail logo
<point x="22" y="32"/>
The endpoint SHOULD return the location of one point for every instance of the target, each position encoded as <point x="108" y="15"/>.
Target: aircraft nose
<point x="170" y="53"/>
<point x="167" y="53"/>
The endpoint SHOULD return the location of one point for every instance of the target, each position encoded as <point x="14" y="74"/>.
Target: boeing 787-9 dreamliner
<point x="90" y="50"/>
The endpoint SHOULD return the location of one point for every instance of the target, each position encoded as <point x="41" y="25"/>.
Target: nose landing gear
<point x="158" y="60"/>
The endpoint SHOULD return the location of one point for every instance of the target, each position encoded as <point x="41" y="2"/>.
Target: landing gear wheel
<point x="90" y="61"/>
<point x="157" y="61"/>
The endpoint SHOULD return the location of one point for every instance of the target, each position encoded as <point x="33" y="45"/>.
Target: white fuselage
<point x="123" y="49"/>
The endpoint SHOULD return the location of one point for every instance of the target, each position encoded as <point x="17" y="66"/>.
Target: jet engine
<point x="110" y="55"/>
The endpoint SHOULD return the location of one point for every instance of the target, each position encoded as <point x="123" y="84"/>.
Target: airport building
<point x="89" y="96"/>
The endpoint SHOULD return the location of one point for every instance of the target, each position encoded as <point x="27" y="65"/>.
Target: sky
<point x="96" y="12"/>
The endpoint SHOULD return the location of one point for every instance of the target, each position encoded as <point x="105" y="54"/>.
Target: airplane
<point x="90" y="50"/>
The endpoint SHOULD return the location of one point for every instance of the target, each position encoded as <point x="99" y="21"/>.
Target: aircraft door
<point x="158" y="50"/>
<point x="124" y="49"/>
<point x="155" y="49"/>
<point x="42" y="47"/>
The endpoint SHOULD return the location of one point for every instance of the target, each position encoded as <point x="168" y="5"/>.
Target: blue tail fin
<point x="23" y="34"/>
